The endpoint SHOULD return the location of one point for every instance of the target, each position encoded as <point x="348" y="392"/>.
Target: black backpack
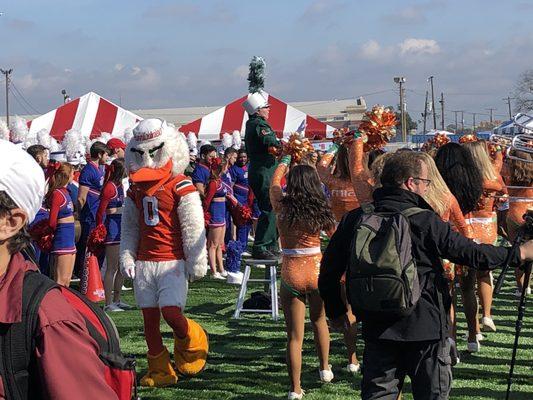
<point x="382" y="276"/>
<point x="17" y="345"/>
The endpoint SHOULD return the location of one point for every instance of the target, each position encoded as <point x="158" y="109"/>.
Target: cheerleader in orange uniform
<point x="446" y="206"/>
<point x="301" y="214"/>
<point x="520" y="199"/>
<point x="343" y="198"/>
<point x="484" y="223"/>
<point x="463" y="178"/>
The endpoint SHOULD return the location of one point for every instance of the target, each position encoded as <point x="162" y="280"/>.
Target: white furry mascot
<point x="163" y="247"/>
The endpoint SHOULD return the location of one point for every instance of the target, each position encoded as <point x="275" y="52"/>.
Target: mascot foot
<point x="160" y="372"/>
<point x="190" y="353"/>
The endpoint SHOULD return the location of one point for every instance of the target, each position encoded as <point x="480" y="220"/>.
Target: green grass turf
<point x="247" y="356"/>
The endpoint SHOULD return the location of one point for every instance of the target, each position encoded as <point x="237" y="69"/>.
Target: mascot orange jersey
<point x="159" y="224"/>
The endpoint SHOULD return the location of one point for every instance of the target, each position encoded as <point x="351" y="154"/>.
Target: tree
<point x="411" y="123"/>
<point x="523" y="92"/>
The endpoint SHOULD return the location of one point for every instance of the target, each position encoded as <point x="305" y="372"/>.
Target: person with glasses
<point x="415" y="345"/>
<point x="261" y="141"/>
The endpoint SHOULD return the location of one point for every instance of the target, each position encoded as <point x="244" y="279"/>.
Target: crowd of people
<point x="467" y="196"/>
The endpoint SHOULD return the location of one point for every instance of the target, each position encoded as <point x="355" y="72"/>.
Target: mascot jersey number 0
<point x="163" y="247"/>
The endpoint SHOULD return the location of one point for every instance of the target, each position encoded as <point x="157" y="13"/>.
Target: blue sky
<point x="155" y="54"/>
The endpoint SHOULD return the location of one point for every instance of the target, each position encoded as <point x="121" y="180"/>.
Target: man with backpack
<point x="62" y="359"/>
<point x="391" y="251"/>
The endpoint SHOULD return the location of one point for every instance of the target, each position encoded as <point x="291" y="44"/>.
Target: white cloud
<point x="241" y="72"/>
<point x="119" y="67"/>
<point x="333" y="54"/>
<point x="319" y="11"/>
<point x="373" y="51"/>
<point x="135" y="70"/>
<point x="370" y="49"/>
<point x="414" y="46"/>
<point x="28" y="82"/>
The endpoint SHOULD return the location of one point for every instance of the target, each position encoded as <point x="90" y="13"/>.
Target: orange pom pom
<point x="469" y="138"/>
<point x="379" y="125"/>
<point x="297" y="147"/>
<point x="437" y="141"/>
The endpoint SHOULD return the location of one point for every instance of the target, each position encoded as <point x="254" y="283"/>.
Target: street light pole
<point x="401" y="80"/>
<point x="441" y="110"/>
<point x="433" y="103"/>
<point x="425" y="112"/>
<point x="7" y="72"/>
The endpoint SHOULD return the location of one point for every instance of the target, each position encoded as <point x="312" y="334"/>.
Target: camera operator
<point x="415" y="345"/>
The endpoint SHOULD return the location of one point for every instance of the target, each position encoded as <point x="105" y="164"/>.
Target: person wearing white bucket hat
<point x="54" y="373"/>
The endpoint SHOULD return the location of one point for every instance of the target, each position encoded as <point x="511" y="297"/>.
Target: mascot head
<point x="158" y="147"/>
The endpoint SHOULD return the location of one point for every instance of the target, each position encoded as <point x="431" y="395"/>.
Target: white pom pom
<point x="192" y="141"/>
<point x="19" y="129"/>
<point x="227" y="141"/>
<point x="237" y="140"/>
<point x="4" y="130"/>
<point x="54" y="145"/>
<point x="44" y="138"/>
<point x="72" y="142"/>
<point x="128" y="134"/>
<point x="30" y="140"/>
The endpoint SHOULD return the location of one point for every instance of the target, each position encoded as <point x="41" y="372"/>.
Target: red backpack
<point x="17" y="345"/>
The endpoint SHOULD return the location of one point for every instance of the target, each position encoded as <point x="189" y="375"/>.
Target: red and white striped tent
<point x="284" y="120"/>
<point x="90" y="114"/>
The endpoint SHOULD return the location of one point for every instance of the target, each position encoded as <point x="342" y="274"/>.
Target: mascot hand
<point x="195" y="270"/>
<point x="127" y="267"/>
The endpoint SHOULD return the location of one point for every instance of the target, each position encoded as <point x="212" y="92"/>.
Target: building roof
<point x="324" y="110"/>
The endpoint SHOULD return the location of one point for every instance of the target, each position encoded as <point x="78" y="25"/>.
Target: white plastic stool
<point x="271" y="265"/>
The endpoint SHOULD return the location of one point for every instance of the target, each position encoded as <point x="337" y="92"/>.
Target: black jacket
<point x="432" y="240"/>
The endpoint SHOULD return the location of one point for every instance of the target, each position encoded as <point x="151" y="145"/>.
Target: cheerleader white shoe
<point x="296" y="396"/>
<point x="353" y="368"/>
<point x="326" y="375"/>
<point x="217" y="275"/>
<point x="488" y="324"/>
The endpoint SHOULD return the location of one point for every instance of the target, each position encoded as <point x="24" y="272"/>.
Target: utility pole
<point x="401" y="80"/>
<point x="441" y="110"/>
<point x="433" y="103"/>
<point x="473" y="122"/>
<point x="508" y="101"/>
<point x="490" y="110"/>
<point x="425" y="111"/>
<point x="462" y="121"/>
<point x="455" y="112"/>
<point x="7" y="72"/>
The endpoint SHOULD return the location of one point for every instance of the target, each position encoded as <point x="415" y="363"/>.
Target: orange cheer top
<point x="454" y="215"/>
<point x="343" y="197"/>
<point x="300" y="249"/>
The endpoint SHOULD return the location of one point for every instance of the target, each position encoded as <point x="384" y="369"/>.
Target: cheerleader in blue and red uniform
<point x="110" y="214"/>
<point x="61" y="223"/>
<point x="214" y="204"/>
<point x="244" y="195"/>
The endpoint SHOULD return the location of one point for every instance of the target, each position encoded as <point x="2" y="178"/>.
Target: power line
<point x="19" y="102"/>
<point x="24" y="99"/>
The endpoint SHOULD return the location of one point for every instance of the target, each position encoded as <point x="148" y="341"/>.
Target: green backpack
<point x="382" y="276"/>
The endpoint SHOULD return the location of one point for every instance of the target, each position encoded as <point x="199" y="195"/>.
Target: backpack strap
<point x="18" y="340"/>
<point x="368" y="208"/>
<point x="409" y="212"/>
